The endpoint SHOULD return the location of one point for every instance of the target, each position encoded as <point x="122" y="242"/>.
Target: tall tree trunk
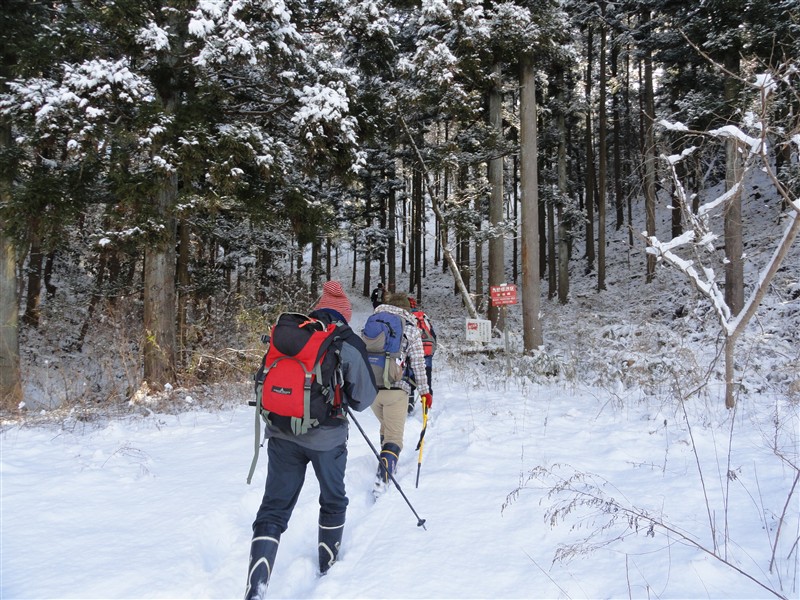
<point x="497" y="241"/>
<point x="563" y="242"/>
<point x="328" y="257"/>
<point x="34" y="287"/>
<point x="515" y="202"/>
<point x="552" y="272"/>
<point x="366" y="288"/>
<point x="159" y="293"/>
<point x="184" y="241"/>
<point x="384" y="210"/>
<point x="316" y="265"/>
<point x="10" y="373"/>
<point x="590" y="171"/>
<point x="480" y="293"/>
<point x="391" y="259"/>
<point x="416" y="271"/>
<point x="734" y="245"/>
<point x="619" y="176"/>
<point x="529" y="183"/>
<point x="354" y="277"/>
<point x="648" y="123"/>
<point x="404" y="236"/>
<point x="603" y="160"/>
<point x="463" y="243"/>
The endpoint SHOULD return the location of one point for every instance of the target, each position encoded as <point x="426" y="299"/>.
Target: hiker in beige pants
<point x="391" y="405"/>
<point x="391" y="408"/>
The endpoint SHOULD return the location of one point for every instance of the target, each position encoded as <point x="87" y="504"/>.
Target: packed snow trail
<point x="157" y="506"/>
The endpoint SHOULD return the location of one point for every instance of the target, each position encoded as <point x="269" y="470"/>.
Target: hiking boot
<point x="389" y="456"/>
<point x="412" y="403"/>
<point x="331" y="528"/>
<point x="263" y="549"/>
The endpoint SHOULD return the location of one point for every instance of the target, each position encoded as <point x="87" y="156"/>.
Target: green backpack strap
<point x="257" y="445"/>
<point x="386" y="362"/>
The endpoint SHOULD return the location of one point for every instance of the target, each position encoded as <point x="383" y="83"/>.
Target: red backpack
<point x="299" y="389"/>
<point x="426" y="329"/>
<point x="298" y="386"/>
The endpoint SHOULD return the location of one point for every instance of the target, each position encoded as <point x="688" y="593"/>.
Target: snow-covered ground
<point x="158" y="507"/>
<point x="604" y="467"/>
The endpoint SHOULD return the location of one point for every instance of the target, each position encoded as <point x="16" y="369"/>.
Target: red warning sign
<point x="503" y="294"/>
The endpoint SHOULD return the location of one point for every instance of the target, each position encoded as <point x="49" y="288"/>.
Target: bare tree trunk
<point x="496" y="242"/>
<point x="552" y="270"/>
<point x="463" y="247"/>
<point x="316" y="266"/>
<point x="366" y="288"/>
<point x="184" y="238"/>
<point x="480" y="294"/>
<point x="619" y="176"/>
<point x="734" y="245"/>
<point x="392" y="221"/>
<point x="159" y="294"/>
<point x="563" y="243"/>
<point x="515" y="201"/>
<point x="328" y="252"/>
<point x="590" y="172"/>
<point x="603" y="161"/>
<point x="649" y="154"/>
<point x="34" y="287"/>
<point x="384" y="210"/>
<point x="529" y="183"/>
<point x="417" y="210"/>
<point x="10" y="374"/>
<point x="355" y="261"/>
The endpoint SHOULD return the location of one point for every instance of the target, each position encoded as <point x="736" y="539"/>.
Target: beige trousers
<point x="391" y="408"/>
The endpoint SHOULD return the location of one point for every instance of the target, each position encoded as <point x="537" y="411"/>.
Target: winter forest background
<point x="175" y="173"/>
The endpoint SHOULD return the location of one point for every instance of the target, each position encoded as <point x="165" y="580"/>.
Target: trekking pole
<point x="421" y="441"/>
<point x="420" y="522"/>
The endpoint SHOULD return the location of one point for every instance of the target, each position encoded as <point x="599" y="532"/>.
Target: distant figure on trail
<point x="324" y="445"/>
<point x="377" y="296"/>
<point x="425" y="325"/>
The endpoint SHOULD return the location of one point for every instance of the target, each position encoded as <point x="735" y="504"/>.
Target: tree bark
<point x="497" y="241"/>
<point x="619" y="176"/>
<point x="416" y="271"/>
<point x="34" y="287"/>
<point x="184" y="241"/>
<point x="532" y="330"/>
<point x="590" y="171"/>
<point x="603" y="161"/>
<point x="563" y="242"/>
<point x="734" y="245"/>
<point x="649" y="154"/>
<point x="391" y="259"/>
<point x="159" y="294"/>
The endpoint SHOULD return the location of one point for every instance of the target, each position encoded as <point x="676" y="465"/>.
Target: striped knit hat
<point x="333" y="297"/>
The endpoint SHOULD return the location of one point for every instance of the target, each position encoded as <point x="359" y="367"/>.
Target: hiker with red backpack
<point x="392" y="319"/>
<point x="336" y="378"/>
<point x="428" y="333"/>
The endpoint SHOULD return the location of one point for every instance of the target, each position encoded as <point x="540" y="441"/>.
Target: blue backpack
<point x="383" y="337"/>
